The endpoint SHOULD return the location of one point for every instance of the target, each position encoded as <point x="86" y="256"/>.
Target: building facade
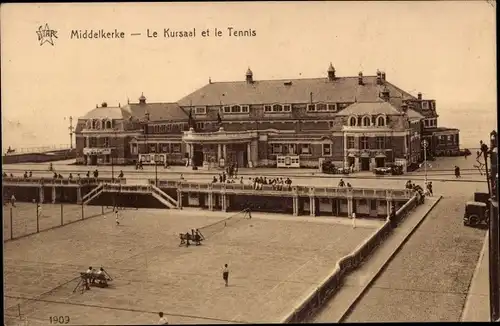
<point x="360" y="121"/>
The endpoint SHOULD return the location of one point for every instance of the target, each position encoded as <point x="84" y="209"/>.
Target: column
<point x="41" y="194"/>
<point x="312" y="206"/>
<point x="224" y="202"/>
<point x="389" y="207"/>
<point x="219" y="153"/>
<point x="210" y="201"/>
<point x="53" y="195"/>
<point x="295" y="206"/>
<point x="179" y="199"/>
<point x="356" y="164"/>
<point x="349" y="207"/>
<point x="249" y="154"/>
<point x="224" y="149"/>
<point x="79" y="195"/>
<point x="88" y="160"/>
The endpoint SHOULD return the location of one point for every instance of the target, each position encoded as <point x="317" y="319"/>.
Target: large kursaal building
<point x="360" y="121"/>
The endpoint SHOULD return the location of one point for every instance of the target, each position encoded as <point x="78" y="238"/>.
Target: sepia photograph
<point x="249" y="162"/>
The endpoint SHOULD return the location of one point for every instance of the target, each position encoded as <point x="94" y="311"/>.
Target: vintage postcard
<point x="249" y="162"/>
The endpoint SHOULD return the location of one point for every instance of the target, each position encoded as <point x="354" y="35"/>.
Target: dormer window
<point x="245" y="109"/>
<point x="235" y="109"/>
<point x="332" y="107"/>
<point x="380" y="121"/>
<point x="425" y="105"/>
<point x="352" y="121"/>
<point x="287" y="108"/>
<point x="321" y="107"/>
<point x="108" y="124"/>
<point x="201" y="110"/>
<point x="227" y="109"/>
<point x="268" y="108"/>
<point x="311" y="107"/>
<point x="366" y="121"/>
<point x="88" y="124"/>
<point x="277" y="108"/>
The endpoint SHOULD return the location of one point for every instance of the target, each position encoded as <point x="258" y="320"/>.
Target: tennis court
<point x="273" y="265"/>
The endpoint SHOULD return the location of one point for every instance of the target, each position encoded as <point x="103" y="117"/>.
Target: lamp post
<point x="112" y="155"/>
<point x="425" y="144"/>
<point x="71" y="129"/>
<point x="494" y="244"/>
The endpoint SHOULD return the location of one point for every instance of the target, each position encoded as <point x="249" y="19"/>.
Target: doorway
<point x="380" y="162"/>
<point x="93" y="159"/>
<point x="197" y="155"/>
<point x="365" y="164"/>
<point x="350" y="162"/>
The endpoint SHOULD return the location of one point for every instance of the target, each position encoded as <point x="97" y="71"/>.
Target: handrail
<point x="65" y="181"/>
<point x="92" y="192"/>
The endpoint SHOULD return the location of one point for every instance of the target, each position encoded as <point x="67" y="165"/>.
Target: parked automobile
<point x="330" y="168"/>
<point x="477" y="211"/>
<point x="393" y="169"/>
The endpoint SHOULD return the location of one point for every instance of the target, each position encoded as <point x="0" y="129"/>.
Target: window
<point x="426" y="123"/>
<point x="287" y="108"/>
<point x="277" y="108"/>
<point x="450" y="138"/>
<point x="268" y="108"/>
<point x="276" y="149"/>
<point x="363" y="142"/>
<point x="305" y="149"/>
<point x="352" y="121"/>
<point x="373" y="204"/>
<point x="380" y="121"/>
<point x="133" y="149"/>
<point x="169" y="127"/>
<point x="341" y="106"/>
<point x="366" y="121"/>
<point x="291" y="149"/>
<point x="441" y="140"/>
<point x="106" y="142"/>
<point x="327" y="149"/>
<point x="156" y="129"/>
<point x="350" y="142"/>
<point x="152" y="148"/>
<point x="176" y="148"/>
<point x="244" y="108"/>
<point x="331" y="124"/>
<point x="425" y="105"/>
<point x="456" y="139"/>
<point x="201" y="110"/>
<point x="97" y="124"/>
<point x="108" y="124"/>
<point x="332" y="107"/>
<point x="235" y="109"/>
<point x="311" y="107"/>
<point x="200" y="125"/>
<point x="321" y="107"/>
<point x="164" y="148"/>
<point x="380" y="142"/>
<point x="227" y="109"/>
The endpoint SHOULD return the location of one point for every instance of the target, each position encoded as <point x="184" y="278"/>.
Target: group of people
<point x="344" y="184"/>
<point x="276" y="183"/>
<point x="93" y="275"/>
<point x="412" y="186"/>
<point x="195" y="236"/>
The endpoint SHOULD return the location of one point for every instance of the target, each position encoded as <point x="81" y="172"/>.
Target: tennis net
<point x="219" y="226"/>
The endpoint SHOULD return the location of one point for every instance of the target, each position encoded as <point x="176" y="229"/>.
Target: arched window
<point x="352" y="121"/>
<point x="235" y="109"/>
<point x="88" y="124"/>
<point x="366" y="121"/>
<point x="108" y="124"/>
<point x="277" y="108"/>
<point x="380" y="121"/>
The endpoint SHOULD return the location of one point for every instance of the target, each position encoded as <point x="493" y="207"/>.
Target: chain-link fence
<point x="22" y="219"/>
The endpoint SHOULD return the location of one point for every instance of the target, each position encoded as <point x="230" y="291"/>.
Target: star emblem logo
<point x="46" y="35"/>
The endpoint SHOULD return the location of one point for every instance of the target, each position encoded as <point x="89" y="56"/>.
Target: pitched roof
<point x="341" y="90"/>
<point x="370" y="108"/>
<point x="412" y="114"/>
<point x="157" y="111"/>
<point x="108" y="112"/>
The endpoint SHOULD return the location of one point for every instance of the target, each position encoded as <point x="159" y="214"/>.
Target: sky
<point x="446" y="50"/>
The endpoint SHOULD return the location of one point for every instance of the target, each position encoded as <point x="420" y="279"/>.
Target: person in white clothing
<point x="163" y="320"/>
<point x="353" y="220"/>
<point x="116" y="217"/>
<point x="39" y="209"/>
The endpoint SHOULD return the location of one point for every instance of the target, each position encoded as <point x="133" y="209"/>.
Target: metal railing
<point x="42" y="149"/>
<point x="291" y="190"/>
<point x="66" y="181"/>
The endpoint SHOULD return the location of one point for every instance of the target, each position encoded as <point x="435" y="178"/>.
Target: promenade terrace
<point x="296" y="200"/>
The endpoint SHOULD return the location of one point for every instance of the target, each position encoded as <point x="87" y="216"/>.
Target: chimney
<point x="331" y="73"/>
<point x="419" y="96"/>
<point x="379" y="77"/>
<point x="360" y="78"/>
<point x="383" y="76"/>
<point x="209" y="80"/>
<point x="249" y="76"/>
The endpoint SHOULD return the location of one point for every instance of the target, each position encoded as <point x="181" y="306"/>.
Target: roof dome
<point x="249" y="72"/>
<point x="331" y="69"/>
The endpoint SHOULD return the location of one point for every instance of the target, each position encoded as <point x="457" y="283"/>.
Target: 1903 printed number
<point x="59" y="319"/>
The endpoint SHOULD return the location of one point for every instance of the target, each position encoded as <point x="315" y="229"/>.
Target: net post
<point x="11" y="226"/>
<point x="83" y="215"/>
<point x="19" y="311"/>
<point x="62" y="215"/>
<point x="37" y="220"/>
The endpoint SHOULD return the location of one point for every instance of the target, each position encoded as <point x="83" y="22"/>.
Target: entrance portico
<point x="221" y="148"/>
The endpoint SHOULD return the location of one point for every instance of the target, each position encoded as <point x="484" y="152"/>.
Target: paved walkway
<point x="359" y="280"/>
<point x="477" y="305"/>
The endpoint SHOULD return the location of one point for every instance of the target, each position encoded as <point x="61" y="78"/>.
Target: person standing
<point x="353" y="220"/>
<point x="225" y="275"/>
<point x="13" y="200"/>
<point x="116" y="217"/>
<point x="39" y="210"/>
<point x="163" y="320"/>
